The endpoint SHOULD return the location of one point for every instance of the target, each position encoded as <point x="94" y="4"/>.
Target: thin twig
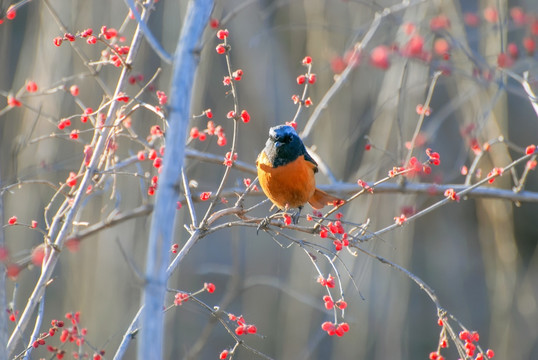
<point x="151" y="39"/>
<point x="188" y="197"/>
<point x="423" y="114"/>
<point x="234" y="137"/>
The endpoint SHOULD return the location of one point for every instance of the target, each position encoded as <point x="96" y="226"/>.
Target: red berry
<point x="31" y="86"/>
<point x="86" y="33"/>
<point x="122" y="97"/>
<point x="513" y="50"/>
<point x="529" y="44"/>
<point x="69" y="37"/>
<point x="194" y="132"/>
<point x="327" y="326"/>
<point x="65" y="334"/>
<point x="12" y="220"/>
<point x="221" y="141"/>
<point x="245" y="116"/>
<point x="379" y="57"/>
<point x="518" y="15"/>
<point x="13" y="270"/>
<point x="74" y="90"/>
<point x="213" y="23"/>
<point x="11" y="14"/>
<point x="13" y="102"/>
<point x="251" y="329"/>
<point x="58" y="40"/>
<point x="475" y="337"/>
<point x="292" y="124"/>
<point x="71" y="180"/>
<point x="338" y="245"/>
<point x="338" y="65"/>
<point x="237" y="74"/>
<point x="222" y="34"/>
<point x="240" y="330"/>
<point x="471" y="19"/>
<point x="3" y="254"/>
<point x="163" y="99"/>
<point x="210" y="287"/>
<point x="439" y="22"/>
<point x="329" y="304"/>
<point x="414" y="47"/>
<point x="441" y="47"/>
<point x="221" y="49"/>
<point x="287" y="219"/>
<point x="330" y="282"/>
<point x="491" y="14"/>
<point x="157" y="163"/>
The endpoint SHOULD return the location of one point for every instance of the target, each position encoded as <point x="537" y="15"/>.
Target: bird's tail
<point x="321" y="198"/>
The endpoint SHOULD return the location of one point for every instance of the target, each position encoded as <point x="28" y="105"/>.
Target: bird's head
<point x="283" y="145"/>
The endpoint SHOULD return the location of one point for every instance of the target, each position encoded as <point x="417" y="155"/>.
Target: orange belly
<point x="292" y="184"/>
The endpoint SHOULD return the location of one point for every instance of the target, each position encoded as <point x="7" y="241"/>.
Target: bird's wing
<point x="309" y="158"/>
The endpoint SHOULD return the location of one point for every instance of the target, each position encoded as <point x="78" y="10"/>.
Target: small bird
<point x="286" y="172"/>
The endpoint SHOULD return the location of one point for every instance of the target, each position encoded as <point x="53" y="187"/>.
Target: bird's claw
<point x="262" y="224"/>
<point x="296" y="215"/>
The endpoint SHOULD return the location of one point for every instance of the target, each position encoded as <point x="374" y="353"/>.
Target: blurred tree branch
<point x="161" y="233"/>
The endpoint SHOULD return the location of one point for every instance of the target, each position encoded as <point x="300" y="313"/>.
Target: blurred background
<point x="479" y="255"/>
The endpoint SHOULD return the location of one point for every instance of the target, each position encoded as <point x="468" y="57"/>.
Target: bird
<point x="286" y="173"/>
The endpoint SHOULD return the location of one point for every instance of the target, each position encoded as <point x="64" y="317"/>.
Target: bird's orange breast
<point x="292" y="184"/>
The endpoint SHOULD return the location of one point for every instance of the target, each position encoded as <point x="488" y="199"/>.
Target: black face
<point x="283" y="145"/>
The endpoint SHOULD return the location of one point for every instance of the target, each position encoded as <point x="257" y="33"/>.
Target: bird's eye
<point x="286" y="139"/>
